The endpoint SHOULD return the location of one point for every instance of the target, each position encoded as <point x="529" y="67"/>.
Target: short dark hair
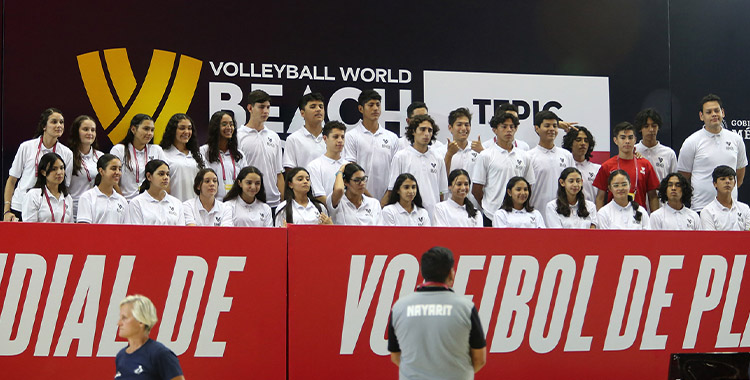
<point x="641" y="118"/>
<point x="572" y="135"/>
<point x="307" y="98"/>
<point x="331" y="125"/>
<point x="722" y="171"/>
<point x="541" y="116"/>
<point x="414" y="123"/>
<point x="505" y="107"/>
<point x="499" y="119"/>
<point x="622" y="126"/>
<point x="257" y="96"/>
<point x="413" y="106"/>
<point x="687" y="189"/>
<point x="437" y="264"/>
<point x="458" y="112"/>
<point x="367" y="95"/>
<point x="710" y="98"/>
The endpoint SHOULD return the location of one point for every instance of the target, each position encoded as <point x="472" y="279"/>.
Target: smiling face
<point x="407" y="191"/>
<point x="547" y="131"/>
<point x="55" y="174"/>
<point x="87" y="132"/>
<point x="250" y="185"/>
<point x="460" y="129"/>
<point x="184" y="132"/>
<point x="572" y="184"/>
<point x="226" y="127"/>
<point x="112" y="173"/>
<point x="519" y="194"/>
<point x="144" y="132"/>
<point x="55" y="125"/>
<point x="160" y="179"/>
<point x="619" y="187"/>
<point x="460" y="189"/>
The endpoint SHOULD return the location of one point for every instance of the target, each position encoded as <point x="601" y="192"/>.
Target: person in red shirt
<point x="644" y="180"/>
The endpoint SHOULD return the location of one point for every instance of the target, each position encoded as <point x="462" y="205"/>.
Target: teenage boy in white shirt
<point x="512" y="109"/>
<point x="547" y="160"/>
<point x="323" y="169"/>
<point x="708" y="148"/>
<point x="262" y="146"/>
<point x="371" y="145"/>
<point x="461" y="153"/>
<point x="725" y="213"/>
<point x="414" y="109"/>
<point x="306" y="143"/>
<point x="662" y="158"/>
<point x="580" y="142"/>
<point x="675" y="194"/>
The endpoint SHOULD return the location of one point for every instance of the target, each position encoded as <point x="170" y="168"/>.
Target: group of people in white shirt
<point x="366" y="175"/>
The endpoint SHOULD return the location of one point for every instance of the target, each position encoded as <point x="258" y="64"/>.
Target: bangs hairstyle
<point x="641" y="119"/>
<point x="199" y="180"/>
<point x="43" y="119"/>
<point x="623" y="126"/>
<point x="236" y="189"/>
<point x="289" y="195"/>
<point x="687" y="189"/>
<point x="170" y="132"/>
<point x="571" y="137"/>
<point x="395" y="197"/>
<point x="541" y="116"/>
<point x="414" y="124"/>
<point x="499" y="119"/>
<point x="214" y="136"/>
<point x="451" y="178"/>
<point x="45" y="163"/>
<point x="508" y="200"/>
<point x="563" y="206"/>
<point x="136" y="122"/>
<point x="436" y="264"/>
<point x="74" y="141"/>
<point x="722" y="171"/>
<point x="637" y="213"/>
<point x="143" y="310"/>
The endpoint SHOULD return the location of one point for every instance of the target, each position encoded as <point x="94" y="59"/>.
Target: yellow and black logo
<point x="116" y="95"/>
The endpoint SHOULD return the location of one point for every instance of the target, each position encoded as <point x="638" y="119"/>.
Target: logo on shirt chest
<point x="520" y="166"/>
<point x="643" y="171"/>
<point x="385" y="144"/>
<point x="562" y="163"/>
<point x="217" y="221"/>
<point x="271" y="143"/>
<point x="690" y="224"/>
<point x="172" y="211"/>
<point x="592" y="175"/>
<point x="730" y="146"/>
<point x="739" y="218"/>
<point x="533" y="218"/>
<point x="262" y="215"/>
<point x="420" y="220"/>
<point x="433" y="168"/>
<point x="120" y="209"/>
<point x="368" y="211"/>
<point x="660" y="164"/>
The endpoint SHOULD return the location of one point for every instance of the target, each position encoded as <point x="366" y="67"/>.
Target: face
<point x="209" y="185"/>
<point x="357" y="183"/>
<point x="55" y="174"/>
<point x="144" y="132"/>
<point x="160" y="178"/>
<point x="87" y="132"/>
<point x="572" y="184"/>
<point x="460" y="187"/>
<point x="407" y="191"/>
<point x="128" y="325"/>
<point x="506" y="131"/>
<point x="335" y="140"/>
<point x="113" y="171"/>
<point x="250" y="185"/>
<point x="226" y="128"/>
<point x="519" y="193"/>
<point x="184" y="131"/>
<point x="650" y="130"/>
<point x="259" y="111"/>
<point x="423" y="133"/>
<point x="460" y="129"/>
<point x="725" y="185"/>
<point x="625" y="140"/>
<point x="547" y="130"/>
<point x="55" y="125"/>
<point x="620" y="186"/>
<point x="712" y="114"/>
<point x="314" y="112"/>
<point x="371" y="110"/>
<point x="581" y="144"/>
<point x="300" y="182"/>
<point x="674" y="189"/>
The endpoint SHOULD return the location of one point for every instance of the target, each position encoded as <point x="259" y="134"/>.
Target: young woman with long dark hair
<point x="135" y="151"/>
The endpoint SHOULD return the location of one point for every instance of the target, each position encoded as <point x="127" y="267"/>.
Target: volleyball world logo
<point x="116" y="95"/>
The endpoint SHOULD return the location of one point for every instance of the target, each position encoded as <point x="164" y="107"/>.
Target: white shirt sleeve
<point x="707" y="220"/>
<point x="187" y="213"/>
<point x="741" y="155"/>
<point x="395" y="171"/>
<point x="539" y="219"/>
<point x="479" y="176"/>
<point x="16" y="169"/>
<point x="135" y="214"/>
<point x="85" y="213"/>
<point x="440" y="219"/>
<point x="553" y="218"/>
<point x="31" y="204"/>
<point x="289" y="157"/>
<point x="500" y="219"/>
<point x="687" y="156"/>
<point x="226" y="217"/>
<point x="387" y="217"/>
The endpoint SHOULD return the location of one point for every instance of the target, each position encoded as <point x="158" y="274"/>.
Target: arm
<point x="451" y="150"/>
<point x="280" y="184"/>
<point x="10" y="188"/>
<point x="396" y="359"/>
<point x="384" y="200"/>
<point x="687" y="174"/>
<point x="338" y="187"/>
<point x="601" y="198"/>
<point x="477" y="191"/>
<point x="478" y="358"/>
<point x="740" y="177"/>
<point x="653" y="200"/>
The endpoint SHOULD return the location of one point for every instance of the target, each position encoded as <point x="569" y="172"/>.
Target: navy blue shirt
<point x="152" y="361"/>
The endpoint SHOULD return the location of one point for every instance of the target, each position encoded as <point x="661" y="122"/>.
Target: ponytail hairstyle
<point x="236" y="189"/>
<point x="563" y="207"/>
<point x="45" y="163"/>
<point x="43" y="120"/>
<point x="395" y="197"/>
<point x="167" y="138"/>
<point x="102" y="163"/>
<point x="199" y="179"/>
<point x="151" y="167"/>
<point x="289" y="195"/>
<point x="74" y="142"/>
<point x="214" y="135"/>
<point x="128" y="139"/>
<point x="508" y="200"/>
<point x="633" y="203"/>
<point x="452" y="177"/>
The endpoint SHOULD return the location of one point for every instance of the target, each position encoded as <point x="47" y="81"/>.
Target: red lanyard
<point x="234" y="168"/>
<point x="137" y="168"/>
<point x="83" y="162"/>
<point x="39" y="150"/>
<point x="65" y="207"/>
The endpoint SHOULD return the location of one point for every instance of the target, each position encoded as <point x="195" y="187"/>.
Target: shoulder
<point x="33" y="192"/>
<point x="117" y="149"/>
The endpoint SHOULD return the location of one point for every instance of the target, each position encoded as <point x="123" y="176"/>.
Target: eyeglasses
<point x="360" y="179"/>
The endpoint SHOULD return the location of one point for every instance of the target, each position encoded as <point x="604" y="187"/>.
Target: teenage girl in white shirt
<point x="348" y="203"/>
<point x="49" y="200"/>
<point x="570" y="209"/>
<point x="247" y="200"/>
<point x="404" y="206"/>
<point x="85" y="156"/>
<point x="154" y="205"/>
<point x="622" y="212"/>
<point x="102" y="204"/>
<point x="205" y="209"/>
<point x="135" y="150"/>
<point x="180" y="145"/>
<point x="299" y="205"/>
<point x="220" y="151"/>
<point x="458" y="211"/>
<point x="515" y="211"/>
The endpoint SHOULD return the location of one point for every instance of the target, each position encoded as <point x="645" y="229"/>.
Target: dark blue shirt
<point x="152" y="361"/>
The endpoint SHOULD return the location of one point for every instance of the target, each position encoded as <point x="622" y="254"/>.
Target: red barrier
<point x="220" y="295"/>
<point x="554" y="303"/>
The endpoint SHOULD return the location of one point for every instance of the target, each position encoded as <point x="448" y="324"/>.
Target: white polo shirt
<point x="555" y="220"/>
<point x="396" y="215"/>
<point x="451" y="214"/>
<point x="374" y="153"/>
<point x="716" y="217"/>
<point x="128" y="183"/>
<point x="667" y="218"/>
<point x="494" y="167"/>
<point x="403" y="143"/>
<point x="322" y="172"/>
<point x="701" y="153"/>
<point x="520" y="144"/>
<point x="145" y="210"/>
<point x="219" y="216"/>
<point x="256" y="214"/>
<point x="84" y="180"/>
<point x="661" y="157"/>
<point x="182" y="172"/>
<point x="25" y="164"/>
<point x="226" y="169"/>
<point x="308" y="214"/>
<point x="36" y="209"/>
<point x="96" y="207"/>
<point x="547" y="164"/>
<point x="518" y="219"/>
<point x="263" y="150"/>
<point x="302" y="147"/>
<point x="614" y="217"/>
<point x="588" y="171"/>
<point x="368" y="213"/>
<point x="427" y="168"/>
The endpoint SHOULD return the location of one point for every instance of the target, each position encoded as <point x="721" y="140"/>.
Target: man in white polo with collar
<point x="725" y="213"/>
<point x="306" y="143"/>
<point x="547" y="160"/>
<point x="662" y="158"/>
<point x="323" y="169"/>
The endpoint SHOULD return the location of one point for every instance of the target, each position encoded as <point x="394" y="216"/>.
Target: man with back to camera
<point x="662" y="158"/>
<point x="414" y="109"/>
<point x="371" y="145"/>
<point x="708" y="148"/>
<point x="580" y="142"/>
<point x="724" y="213"/>
<point x="434" y="333"/>
<point x="306" y="143"/>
